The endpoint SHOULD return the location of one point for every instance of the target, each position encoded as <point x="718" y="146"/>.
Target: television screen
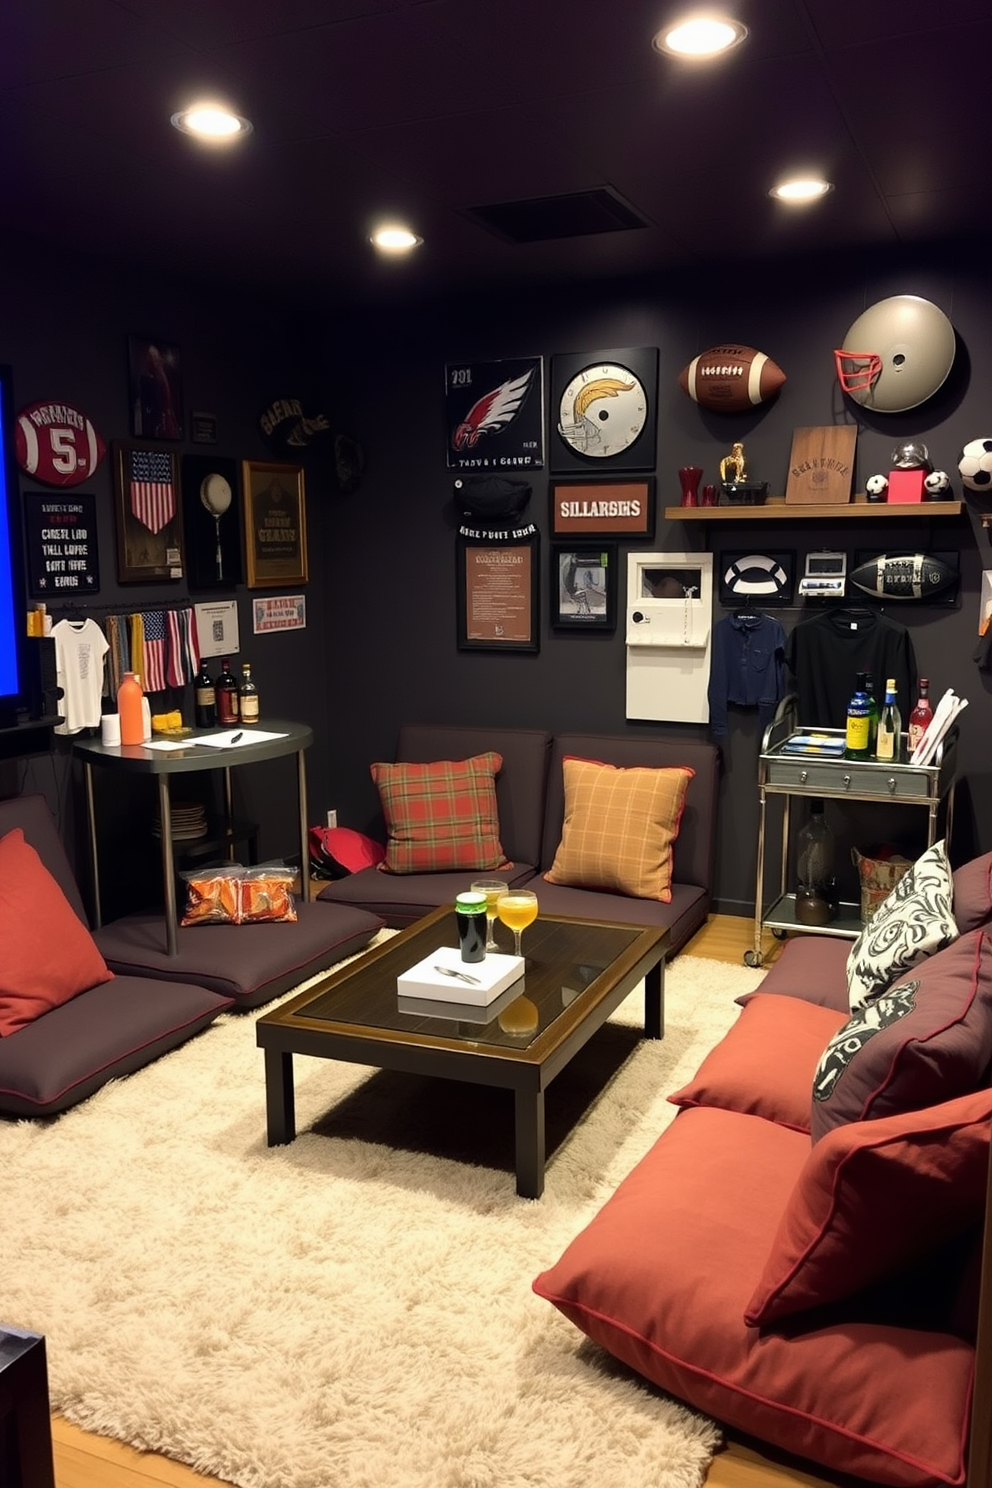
<point x="12" y="621"/>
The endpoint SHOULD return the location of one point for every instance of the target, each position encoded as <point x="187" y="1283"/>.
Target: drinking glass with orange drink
<point x="517" y="909"/>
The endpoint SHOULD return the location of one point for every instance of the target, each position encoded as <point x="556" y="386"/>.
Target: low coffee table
<point x="577" y="973"/>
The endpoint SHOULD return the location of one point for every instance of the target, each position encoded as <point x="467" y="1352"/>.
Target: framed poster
<point x="275" y="524"/>
<point x="495" y="414"/>
<point x="497" y="594"/>
<point x="584" y="586"/>
<point x="155" y="388"/>
<point x="605" y="507"/>
<point x="212" y="522"/>
<point x="604" y="411"/>
<point x="217" y="630"/>
<point x="282" y="612"/>
<point x="62" y="550"/>
<point x="149" y="522"/>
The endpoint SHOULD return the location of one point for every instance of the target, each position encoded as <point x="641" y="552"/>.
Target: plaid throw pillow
<point x="442" y="817"/>
<point x="619" y="828"/>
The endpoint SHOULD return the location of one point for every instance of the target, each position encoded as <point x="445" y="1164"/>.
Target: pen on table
<point x="235" y="737"/>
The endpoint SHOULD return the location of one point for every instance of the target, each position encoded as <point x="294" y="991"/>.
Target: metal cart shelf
<point x="781" y="773"/>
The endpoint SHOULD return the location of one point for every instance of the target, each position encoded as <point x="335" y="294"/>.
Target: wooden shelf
<point x="780" y="511"/>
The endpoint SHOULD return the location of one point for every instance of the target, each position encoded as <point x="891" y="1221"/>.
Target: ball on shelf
<point x="975" y="465"/>
<point x="937" y="483"/>
<point x="876" y="486"/>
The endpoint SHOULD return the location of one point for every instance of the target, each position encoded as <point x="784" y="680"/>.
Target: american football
<point x="731" y="379"/>
<point x="904" y="576"/>
<point x="57" y="444"/>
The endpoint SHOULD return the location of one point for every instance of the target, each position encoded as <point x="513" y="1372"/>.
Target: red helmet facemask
<point x="861" y="372"/>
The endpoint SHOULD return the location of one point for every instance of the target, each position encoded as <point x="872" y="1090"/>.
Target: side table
<point x="284" y="739"/>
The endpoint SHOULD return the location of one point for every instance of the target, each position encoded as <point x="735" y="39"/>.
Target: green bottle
<point x="872" y="713"/>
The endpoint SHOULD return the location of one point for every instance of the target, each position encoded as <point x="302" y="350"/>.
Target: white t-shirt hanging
<point x="80" y="646"/>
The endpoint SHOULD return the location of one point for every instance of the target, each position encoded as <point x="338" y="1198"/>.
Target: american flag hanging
<point x="153" y="494"/>
<point x="155" y="651"/>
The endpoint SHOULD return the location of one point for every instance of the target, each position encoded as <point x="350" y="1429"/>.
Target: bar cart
<point x="784" y="773"/>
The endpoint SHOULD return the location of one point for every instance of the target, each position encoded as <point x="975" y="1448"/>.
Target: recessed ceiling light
<point x="212" y="122"/>
<point x="798" y="192"/>
<point x="395" y="239"/>
<point x="699" y="36"/>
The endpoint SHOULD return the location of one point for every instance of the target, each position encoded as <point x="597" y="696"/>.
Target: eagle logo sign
<point x="492" y="412"/>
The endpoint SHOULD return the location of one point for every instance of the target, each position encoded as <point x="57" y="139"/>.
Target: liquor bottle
<point x="921" y="715"/>
<point x="873" y="711"/>
<point x="887" y="745"/>
<point x="129" y="696"/>
<point x="857" y="736"/>
<point x="248" y="695"/>
<point x="204" y="698"/>
<point x="226" y="690"/>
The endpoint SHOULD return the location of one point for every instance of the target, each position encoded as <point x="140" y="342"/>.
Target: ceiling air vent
<point x="544" y="217"/>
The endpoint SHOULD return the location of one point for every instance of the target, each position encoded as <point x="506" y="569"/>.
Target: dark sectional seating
<point x="108" y="1031"/>
<point x="155" y="1001"/>
<point x="530" y="797"/>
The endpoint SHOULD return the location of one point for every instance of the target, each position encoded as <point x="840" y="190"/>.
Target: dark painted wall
<point x="392" y="646"/>
<point x="381" y="642"/>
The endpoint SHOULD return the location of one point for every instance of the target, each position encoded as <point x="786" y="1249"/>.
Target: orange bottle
<point x="129" y="697"/>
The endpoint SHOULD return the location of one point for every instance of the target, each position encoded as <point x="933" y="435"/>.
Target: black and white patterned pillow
<point x="914" y="921"/>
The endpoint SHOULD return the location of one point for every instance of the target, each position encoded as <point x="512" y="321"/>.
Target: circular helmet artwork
<point x="896" y="354"/>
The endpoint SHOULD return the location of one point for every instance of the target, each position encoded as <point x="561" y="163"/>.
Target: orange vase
<point x="129" y="697"/>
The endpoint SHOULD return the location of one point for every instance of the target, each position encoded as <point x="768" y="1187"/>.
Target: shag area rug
<point x="352" y="1310"/>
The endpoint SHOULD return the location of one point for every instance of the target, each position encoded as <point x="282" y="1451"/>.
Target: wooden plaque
<point x="821" y="466"/>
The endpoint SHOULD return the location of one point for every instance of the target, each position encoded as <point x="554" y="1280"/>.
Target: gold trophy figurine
<point x="733" y="467"/>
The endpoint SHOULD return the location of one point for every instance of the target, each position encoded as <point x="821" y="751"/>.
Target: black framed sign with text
<point x="60" y="528"/>
<point x="497" y="592"/>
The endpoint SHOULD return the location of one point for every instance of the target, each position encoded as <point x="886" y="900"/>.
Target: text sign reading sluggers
<point x="61" y="542"/>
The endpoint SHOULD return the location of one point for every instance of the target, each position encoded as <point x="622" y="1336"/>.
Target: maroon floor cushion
<point x="661" y="1278"/>
<point x="249" y="963"/>
<point x="105" y="1033"/>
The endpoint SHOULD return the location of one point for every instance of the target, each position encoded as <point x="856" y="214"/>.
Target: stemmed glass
<point x="517" y="908"/>
<point x="492" y="888"/>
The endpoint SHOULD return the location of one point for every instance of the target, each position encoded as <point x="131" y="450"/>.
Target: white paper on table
<point x="165" y="744"/>
<point x="235" y="738"/>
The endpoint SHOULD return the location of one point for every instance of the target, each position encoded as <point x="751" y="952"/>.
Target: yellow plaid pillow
<point x="619" y="828"/>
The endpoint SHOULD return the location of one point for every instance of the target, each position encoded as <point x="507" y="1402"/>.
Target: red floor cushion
<point x="661" y="1276"/>
<point x="738" y="1074"/>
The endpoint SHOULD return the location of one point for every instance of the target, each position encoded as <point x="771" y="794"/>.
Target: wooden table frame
<point x="425" y="1045"/>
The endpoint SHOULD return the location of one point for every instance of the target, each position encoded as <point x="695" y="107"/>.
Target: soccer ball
<point x="876" y="486"/>
<point x="975" y="465"/>
<point x="937" y="483"/>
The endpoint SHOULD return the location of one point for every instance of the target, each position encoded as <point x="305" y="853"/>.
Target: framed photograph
<point x="155" y="388"/>
<point x="497" y="593"/>
<point x="584" y="587"/>
<point x="149" y="521"/>
<point x="495" y="414"/>
<point x="756" y="577"/>
<point x="604" y="411"/>
<point x="212" y="524"/>
<point x="602" y="508"/>
<point x="275" y="524"/>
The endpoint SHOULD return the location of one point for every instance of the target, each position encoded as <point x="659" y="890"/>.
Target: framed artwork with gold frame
<point x="275" y="524"/>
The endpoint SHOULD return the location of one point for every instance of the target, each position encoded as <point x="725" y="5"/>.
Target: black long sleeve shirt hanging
<point x="824" y="654"/>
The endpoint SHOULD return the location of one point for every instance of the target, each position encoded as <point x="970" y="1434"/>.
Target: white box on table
<point x="478" y="984"/>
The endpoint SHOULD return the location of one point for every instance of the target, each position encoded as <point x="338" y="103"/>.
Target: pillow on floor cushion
<point x="441" y="817"/>
<point x="47" y="955"/>
<point x="925" y="1040"/>
<point x="972" y="885"/>
<point x="760" y="1066"/>
<point x="913" y="921"/>
<point x="872" y="1198"/>
<point x="619" y="828"/>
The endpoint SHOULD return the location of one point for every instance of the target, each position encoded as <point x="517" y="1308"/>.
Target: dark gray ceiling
<point x="425" y="108"/>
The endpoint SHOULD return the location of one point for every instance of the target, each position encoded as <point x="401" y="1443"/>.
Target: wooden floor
<point x="83" y="1460"/>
